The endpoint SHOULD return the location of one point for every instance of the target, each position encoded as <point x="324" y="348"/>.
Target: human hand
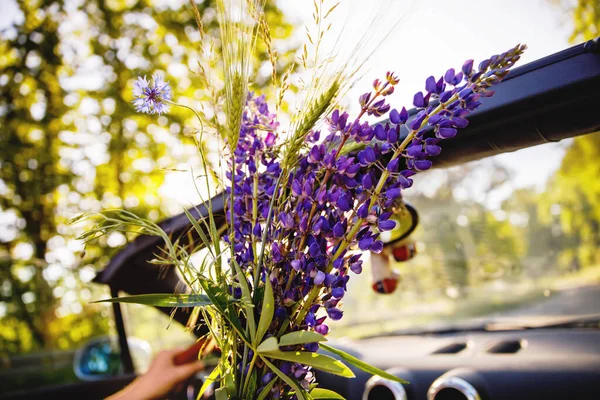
<point x="169" y="368"/>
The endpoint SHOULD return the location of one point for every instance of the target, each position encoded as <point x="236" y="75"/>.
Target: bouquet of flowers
<point x="302" y="207"/>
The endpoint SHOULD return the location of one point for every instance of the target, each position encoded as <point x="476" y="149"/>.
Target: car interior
<point x="548" y="100"/>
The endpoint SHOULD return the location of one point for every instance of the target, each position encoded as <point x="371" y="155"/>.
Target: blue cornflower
<point x="151" y="97"/>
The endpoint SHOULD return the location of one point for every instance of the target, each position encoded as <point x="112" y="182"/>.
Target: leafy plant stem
<point x="266" y="230"/>
<point x="256" y="274"/>
<point x="231" y="212"/>
<point x="249" y="373"/>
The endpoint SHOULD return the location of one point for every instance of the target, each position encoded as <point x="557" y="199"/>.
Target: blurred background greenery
<point x="70" y="142"/>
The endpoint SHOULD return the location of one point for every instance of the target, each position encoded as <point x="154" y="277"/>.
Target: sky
<point x="426" y="37"/>
<point x="435" y="35"/>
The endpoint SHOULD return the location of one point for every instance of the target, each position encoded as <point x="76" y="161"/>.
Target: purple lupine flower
<point x="335" y="313"/>
<point x="319" y="278"/>
<point x="338" y="292"/>
<point x="267" y="378"/>
<point x="378" y="108"/>
<point x="356" y="267"/>
<point x="322" y="329"/>
<point x="386" y="225"/>
<point x="312" y="347"/>
<point x="151" y="97"/>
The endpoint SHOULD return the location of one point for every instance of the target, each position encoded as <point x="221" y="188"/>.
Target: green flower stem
<point x="231" y="212"/>
<point x="256" y="274"/>
<point x="189" y="108"/>
<point x="249" y="373"/>
<point x="218" y="270"/>
<point x="266" y="232"/>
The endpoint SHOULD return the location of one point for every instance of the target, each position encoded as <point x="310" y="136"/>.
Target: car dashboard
<point x="492" y="365"/>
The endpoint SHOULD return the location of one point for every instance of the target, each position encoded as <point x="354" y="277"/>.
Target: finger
<point x="166" y="356"/>
<point x="188" y="355"/>
<point x="210" y="347"/>
<point x="185" y="371"/>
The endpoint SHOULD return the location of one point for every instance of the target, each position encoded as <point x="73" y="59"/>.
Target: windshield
<point x="513" y="237"/>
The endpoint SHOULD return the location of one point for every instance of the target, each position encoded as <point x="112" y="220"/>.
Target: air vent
<point x="452" y="348"/>
<point x="450" y="394"/>
<point x="378" y="388"/>
<point x="452" y="388"/>
<point x="507" y="347"/>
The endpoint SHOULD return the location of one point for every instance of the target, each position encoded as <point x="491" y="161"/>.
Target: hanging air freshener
<point x="385" y="279"/>
<point x="397" y="244"/>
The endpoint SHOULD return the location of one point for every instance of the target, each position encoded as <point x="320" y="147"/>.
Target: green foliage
<point x="586" y="18"/>
<point x="267" y="311"/>
<point x="220" y="301"/>
<point x="266" y="390"/>
<point x="301" y="337"/>
<point x="315" y="360"/>
<point x="212" y="377"/>
<point x="163" y="300"/>
<point x="324" y="394"/>
<point x="290" y="339"/>
<point x="247" y="298"/>
<point x="300" y="393"/>
<point x="572" y="205"/>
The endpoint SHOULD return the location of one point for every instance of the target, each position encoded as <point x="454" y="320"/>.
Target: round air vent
<point x="452" y="388"/>
<point x="378" y="388"/>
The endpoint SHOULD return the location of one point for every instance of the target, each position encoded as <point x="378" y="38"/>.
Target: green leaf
<point x="247" y="301"/>
<point x="300" y="393"/>
<point x="199" y="230"/>
<point x="222" y="303"/>
<point x="361" y="364"/>
<point x="318" y="361"/>
<point x="301" y="337"/>
<point x="252" y="383"/>
<point x="265" y="392"/>
<point x="270" y="344"/>
<point x="228" y="384"/>
<point x="209" y="380"/>
<point x="221" y="394"/>
<point x="163" y="300"/>
<point x="325" y="394"/>
<point x="266" y="313"/>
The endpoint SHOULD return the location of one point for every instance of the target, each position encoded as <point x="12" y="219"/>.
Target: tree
<point x="586" y="18"/>
<point x="71" y="142"/>
<point x="585" y="15"/>
<point x="574" y="197"/>
<point x="574" y="193"/>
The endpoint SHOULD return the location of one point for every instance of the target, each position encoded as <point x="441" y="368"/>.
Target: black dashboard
<point x="497" y="365"/>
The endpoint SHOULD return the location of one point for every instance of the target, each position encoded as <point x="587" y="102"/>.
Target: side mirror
<point x="100" y="358"/>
